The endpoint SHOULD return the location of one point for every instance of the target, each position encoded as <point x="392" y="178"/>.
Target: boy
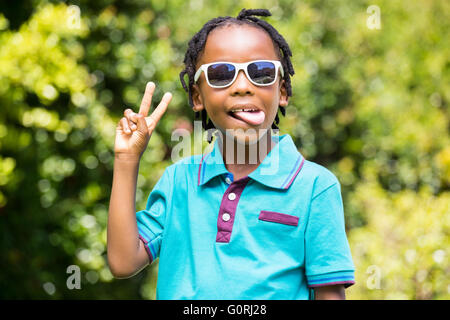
<point x="223" y="228"/>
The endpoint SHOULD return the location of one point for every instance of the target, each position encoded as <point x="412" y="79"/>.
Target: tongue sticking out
<point x="252" y="117"/>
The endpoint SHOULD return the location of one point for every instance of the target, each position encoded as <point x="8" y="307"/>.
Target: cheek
<point x="214" y="102"/>
<point x="273" y="103"/>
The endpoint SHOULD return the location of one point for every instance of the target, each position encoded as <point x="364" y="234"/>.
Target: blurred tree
<point x="403" y="252"/>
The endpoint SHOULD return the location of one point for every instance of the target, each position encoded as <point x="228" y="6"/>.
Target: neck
<point x="240" y="158"/>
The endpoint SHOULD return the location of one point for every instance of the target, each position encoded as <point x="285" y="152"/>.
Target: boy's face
<point x="239" y="44"/>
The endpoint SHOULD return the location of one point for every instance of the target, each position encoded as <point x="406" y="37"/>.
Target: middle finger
<point x="147" y="99"/>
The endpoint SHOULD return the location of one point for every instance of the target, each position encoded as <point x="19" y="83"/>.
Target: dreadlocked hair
<point x="197" y="44"/>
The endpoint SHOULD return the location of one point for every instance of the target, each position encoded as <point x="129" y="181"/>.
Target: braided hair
<point x="198" y="41"/>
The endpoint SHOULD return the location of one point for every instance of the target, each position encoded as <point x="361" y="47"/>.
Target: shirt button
<point x="232" y="196"/>
<point x="226" y="217"/>
<point x="227" y="180"/>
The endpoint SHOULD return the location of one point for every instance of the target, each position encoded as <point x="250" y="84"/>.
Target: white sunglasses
<point x="222" y="74"/>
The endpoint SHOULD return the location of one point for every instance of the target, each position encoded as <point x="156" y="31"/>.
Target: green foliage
<point x="403" y="251"/>
<point x="370" y="104"/>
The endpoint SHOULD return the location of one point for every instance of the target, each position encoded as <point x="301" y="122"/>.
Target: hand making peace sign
<point x="134" y="130"/>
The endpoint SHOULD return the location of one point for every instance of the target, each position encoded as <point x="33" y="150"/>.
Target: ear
<point x="284" y="98"/>
<point x="197" y="98"/>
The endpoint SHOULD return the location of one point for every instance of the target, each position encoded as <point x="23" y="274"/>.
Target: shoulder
<point x="179" y="175"/>
<point x="187" y="163"/>
<point x="185" y="166"/>
<point x="321" y="177"/>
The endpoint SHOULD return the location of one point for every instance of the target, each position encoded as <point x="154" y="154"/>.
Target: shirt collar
<point x="271" y="172"/>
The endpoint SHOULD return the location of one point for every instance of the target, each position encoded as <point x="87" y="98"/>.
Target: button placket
<point x="227" y="210"/>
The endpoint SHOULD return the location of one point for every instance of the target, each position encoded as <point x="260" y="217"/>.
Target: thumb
<point x="141" y="124"/>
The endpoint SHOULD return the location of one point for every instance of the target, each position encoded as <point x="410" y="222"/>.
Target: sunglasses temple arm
<point x="198" y="73"/>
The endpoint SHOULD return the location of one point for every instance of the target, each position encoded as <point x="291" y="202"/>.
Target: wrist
<point x="127" y="157"/>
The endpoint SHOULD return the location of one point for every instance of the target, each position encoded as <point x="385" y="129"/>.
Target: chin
<point x="246" y="137"/>
<point x="247" y="140"/>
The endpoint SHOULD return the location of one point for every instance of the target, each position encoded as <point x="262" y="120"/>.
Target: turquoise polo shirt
<point x="273" y="234"/>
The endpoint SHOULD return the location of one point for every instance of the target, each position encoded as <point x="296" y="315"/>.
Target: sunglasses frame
<point x="238" y="67"/>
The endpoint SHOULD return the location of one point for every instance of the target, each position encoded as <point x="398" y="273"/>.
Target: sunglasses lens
<point x="221" y="74"/>
<point x="262" y="72"/>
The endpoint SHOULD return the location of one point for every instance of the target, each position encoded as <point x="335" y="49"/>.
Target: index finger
<point x="147" y="99"/>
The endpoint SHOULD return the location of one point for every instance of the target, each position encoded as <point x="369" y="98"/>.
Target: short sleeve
<point x="150" y="221"/>
<point x="328" y="259"/>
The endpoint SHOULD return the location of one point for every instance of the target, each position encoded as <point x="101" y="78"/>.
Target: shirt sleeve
<point x="150" y="221"/>
<point x="328" y="259"/>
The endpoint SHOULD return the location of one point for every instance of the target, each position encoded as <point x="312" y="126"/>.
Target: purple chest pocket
<point x="278" y="218"/>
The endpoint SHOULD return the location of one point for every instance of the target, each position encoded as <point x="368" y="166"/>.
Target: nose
<point x="242" y="86"/>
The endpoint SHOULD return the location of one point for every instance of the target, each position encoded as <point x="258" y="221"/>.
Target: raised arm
<point x="126" y="253"/>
